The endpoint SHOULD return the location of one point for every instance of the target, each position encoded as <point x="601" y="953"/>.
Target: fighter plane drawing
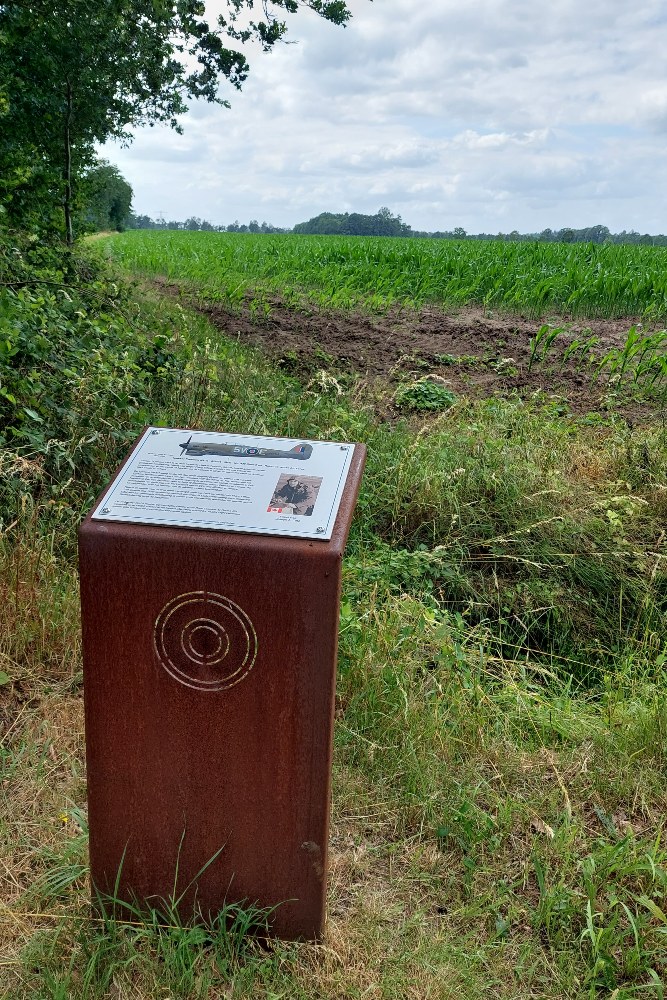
<point x="200" y="449"/>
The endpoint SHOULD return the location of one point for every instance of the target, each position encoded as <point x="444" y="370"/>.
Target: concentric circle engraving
<point x="205" y="641"/>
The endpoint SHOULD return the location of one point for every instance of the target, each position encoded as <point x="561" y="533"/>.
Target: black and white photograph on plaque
<point x="294" y="494"/>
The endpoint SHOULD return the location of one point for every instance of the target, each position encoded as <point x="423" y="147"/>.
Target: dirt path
<point x="475" y="353"/>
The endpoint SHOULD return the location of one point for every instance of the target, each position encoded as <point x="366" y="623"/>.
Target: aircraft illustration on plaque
<point x="200" y="449"/>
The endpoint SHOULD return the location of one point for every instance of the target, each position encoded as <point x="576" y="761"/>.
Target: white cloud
<point x="653" y="107"/>
<point x="498" y="114"/>
<point x="500" y="140"/>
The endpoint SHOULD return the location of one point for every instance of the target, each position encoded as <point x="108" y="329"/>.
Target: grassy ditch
<point x="500" y="773"/>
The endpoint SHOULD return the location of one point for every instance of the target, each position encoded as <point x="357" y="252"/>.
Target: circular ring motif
<point x="205" y="641"/>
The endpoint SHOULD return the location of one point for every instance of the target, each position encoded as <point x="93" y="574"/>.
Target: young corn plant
<point x="542" y="342"/>
<point x="640" y="364"/>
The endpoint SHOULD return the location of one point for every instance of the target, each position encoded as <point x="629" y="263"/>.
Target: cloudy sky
<point x="492" y="115"/>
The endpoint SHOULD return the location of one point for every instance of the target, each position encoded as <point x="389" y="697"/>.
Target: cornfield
<point x="535" y="279"/>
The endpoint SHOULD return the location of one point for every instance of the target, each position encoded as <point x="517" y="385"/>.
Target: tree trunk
<point x="67" y="172"/>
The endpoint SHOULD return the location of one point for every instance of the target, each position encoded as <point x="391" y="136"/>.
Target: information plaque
<point x="230" y="482"/>
<point x="209" y="662"/>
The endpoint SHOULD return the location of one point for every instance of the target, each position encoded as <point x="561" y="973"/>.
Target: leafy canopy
<point x="133" y="62"/>
<point x="73" y="74"/>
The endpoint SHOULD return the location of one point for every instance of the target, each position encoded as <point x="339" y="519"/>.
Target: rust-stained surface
<point x="209" y="674"/>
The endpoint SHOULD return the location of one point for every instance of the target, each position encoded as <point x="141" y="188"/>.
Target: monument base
<point x="209" y="676"/>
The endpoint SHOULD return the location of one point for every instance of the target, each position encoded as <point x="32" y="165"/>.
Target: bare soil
<point x="473" y="352"/>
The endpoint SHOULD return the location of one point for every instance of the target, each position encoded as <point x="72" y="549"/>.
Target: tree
<point x="75" y="75"/>
<point x="107" y="196"/>
<point x="383" y="223"/>
<point x="140" y="222"/>
<point x="594" y="234"/>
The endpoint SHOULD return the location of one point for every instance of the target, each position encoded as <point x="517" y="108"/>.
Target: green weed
<point x="425" y="394"/>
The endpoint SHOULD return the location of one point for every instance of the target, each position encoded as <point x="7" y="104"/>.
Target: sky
<point x="492" y="115"/>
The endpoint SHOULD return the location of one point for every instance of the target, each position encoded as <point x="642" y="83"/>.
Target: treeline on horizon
<point x="384" y="223"/>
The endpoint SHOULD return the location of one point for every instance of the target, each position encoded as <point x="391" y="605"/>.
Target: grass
<point x="500" y="762"/>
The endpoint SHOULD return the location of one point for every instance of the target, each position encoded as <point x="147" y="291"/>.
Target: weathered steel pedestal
<point x="209" y="673"/>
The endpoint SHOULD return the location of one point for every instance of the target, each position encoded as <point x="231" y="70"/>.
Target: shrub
<point x="425" y="394"/>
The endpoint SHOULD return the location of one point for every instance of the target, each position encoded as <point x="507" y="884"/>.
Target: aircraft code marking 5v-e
<point x="199" y="449"/>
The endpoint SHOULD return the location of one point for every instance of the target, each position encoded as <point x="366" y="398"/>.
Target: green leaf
<point x="657" y="912"/>
<point x="32" y="414"/>
<point x="4" y="678"/>
<point x="502" y="927"/>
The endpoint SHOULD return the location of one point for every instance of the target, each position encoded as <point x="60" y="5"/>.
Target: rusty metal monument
<point x="210" y="587"/>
